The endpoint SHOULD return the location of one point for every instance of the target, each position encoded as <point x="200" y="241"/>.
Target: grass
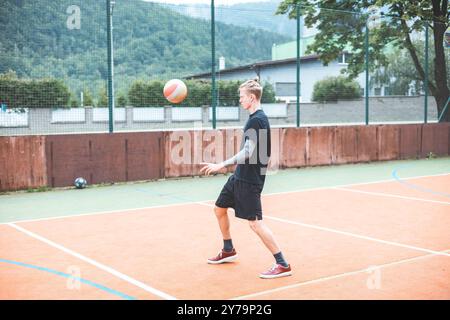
<point x="38" y="189"/>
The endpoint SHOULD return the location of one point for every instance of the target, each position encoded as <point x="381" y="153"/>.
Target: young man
<point x="242" y="192"/>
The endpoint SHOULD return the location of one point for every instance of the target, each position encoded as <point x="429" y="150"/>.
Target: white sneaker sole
<point x="284" y="274"/>
<point x="229" y="259"/>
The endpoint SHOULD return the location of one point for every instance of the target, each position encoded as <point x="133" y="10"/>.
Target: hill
<point x="150" y="41"/>
<point x="258" y="15"/>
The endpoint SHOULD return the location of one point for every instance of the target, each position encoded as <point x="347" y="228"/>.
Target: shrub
<point x="121" y="100"/>
<point x="268" y="95"/>
<point x="33" y="93"/>
<point x="336" y="88"/>
<point x="87" y="98"/>
<point x="103" y="98"/>
<point x="150" y="93"/>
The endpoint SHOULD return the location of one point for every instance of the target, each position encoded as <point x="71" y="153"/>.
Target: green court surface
<point x="18" y="206"/>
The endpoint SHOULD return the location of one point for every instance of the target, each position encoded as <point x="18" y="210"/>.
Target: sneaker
<point x="276" y="271"/>
<point x="223" y="257"/>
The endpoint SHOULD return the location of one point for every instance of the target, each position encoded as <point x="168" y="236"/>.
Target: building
<point x="281" y="71"/>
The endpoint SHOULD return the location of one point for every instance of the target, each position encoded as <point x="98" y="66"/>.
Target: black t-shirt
<point x="254" y="169"/>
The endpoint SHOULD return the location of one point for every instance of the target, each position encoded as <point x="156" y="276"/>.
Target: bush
<point x="121" y="100"/>
<point x="87" y="98"/>
<point x="147" y="94"/>
<point x="150" y="94"/>
<point x="336" y="88"/>
<point x="73" y="101"/>
<point x="29" y="93"/>
<point x="199" y="94"/>
<point x="103" y="98"/>
<point x="268" y="95"/>
<point x="228" y="93"/>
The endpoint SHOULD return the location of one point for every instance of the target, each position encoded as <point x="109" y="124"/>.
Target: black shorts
<point x="243" y="197"/>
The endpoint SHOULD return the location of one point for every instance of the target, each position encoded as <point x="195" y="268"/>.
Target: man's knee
<point x="254" y="225"/>
<point x="220" y="211"/>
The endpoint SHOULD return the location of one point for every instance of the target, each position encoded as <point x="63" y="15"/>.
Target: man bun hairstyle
<point x="252" y="86"/>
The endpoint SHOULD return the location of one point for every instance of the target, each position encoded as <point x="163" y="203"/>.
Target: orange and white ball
<point x="175" y="91"/>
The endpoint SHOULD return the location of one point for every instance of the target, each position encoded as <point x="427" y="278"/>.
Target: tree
<point x="341" y="25"/>
<point x="400" y="75"/>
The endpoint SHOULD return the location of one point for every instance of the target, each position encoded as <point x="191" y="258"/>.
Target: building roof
<point x="289" y="49"/>
<point x="256" y="65"/>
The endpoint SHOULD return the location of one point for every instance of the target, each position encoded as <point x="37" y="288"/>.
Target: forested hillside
<point x="41" y="39"/>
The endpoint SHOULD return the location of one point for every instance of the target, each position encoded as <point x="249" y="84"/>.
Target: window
<point x="344" y="58"/>
<point x="286" y="89"/>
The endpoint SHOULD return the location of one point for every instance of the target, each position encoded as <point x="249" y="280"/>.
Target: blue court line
<point x="66" y="275"/>
<point x="416" y="187"/>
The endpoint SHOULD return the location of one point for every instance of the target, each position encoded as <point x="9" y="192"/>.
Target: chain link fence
<point x="341" y="68"/>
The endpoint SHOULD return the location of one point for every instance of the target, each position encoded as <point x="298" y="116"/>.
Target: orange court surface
<point x="367" y="231"/>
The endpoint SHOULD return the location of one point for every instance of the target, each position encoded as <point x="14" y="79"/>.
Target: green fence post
<point x="366" y="45"/>
<point x="213" y="65"/>
<point x="425" y="117"/>
<point x="298" y="64"/>
<point x="109" y="8"/>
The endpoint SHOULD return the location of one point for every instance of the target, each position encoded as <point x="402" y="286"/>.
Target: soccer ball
<point x="175" y="91"/>
<point x="80" y="183"/>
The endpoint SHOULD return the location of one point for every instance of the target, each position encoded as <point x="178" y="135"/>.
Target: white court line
<point x="355" y="235"/>
<point x="194" y="202"/>
<point x="337" y="276"/>
<point x="391" y="195"/>
<point x="356" y="184"/>
<point x="103" y="212"/>
<point x="96" y="264"/>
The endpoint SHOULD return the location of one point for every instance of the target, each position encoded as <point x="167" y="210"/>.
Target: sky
<point x="217" y="2"/>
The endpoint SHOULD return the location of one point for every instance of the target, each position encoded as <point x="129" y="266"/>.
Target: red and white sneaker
<point x="223" y="257"/>
<point x="276" y="271"/>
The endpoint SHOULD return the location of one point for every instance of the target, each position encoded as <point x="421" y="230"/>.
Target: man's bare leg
<point x="224" y="222"/>
<point x="265" y="234"/>
<point x="227" y="254"/>
<point x="281" y="268"/>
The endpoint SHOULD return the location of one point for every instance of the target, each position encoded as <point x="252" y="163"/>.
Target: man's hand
<point x="209" y="168"/>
